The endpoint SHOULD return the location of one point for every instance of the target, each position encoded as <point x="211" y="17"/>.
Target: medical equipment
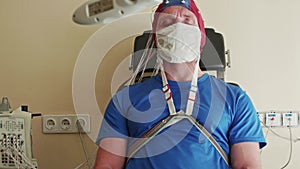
<point x="15" y="137"/>
<point x="105" y="11"/>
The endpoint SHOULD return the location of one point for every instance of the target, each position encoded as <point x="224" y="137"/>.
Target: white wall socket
<point x="289" y="119"/>
<point x="69" y="123"/>
<point x="273" y="119"/>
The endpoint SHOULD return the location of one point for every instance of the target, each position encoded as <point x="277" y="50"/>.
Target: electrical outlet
<point x="290" y="119"/>
<point x="70" y="123"/>
<point x="273" y="119"/>
<point x="34" y="163"/>
<point x="83" y="121"/>
<point x="50" y="124"/>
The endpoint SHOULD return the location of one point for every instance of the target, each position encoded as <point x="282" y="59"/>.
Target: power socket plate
<point x="68" y="123"/>
<point x="273" y="119"/>
<point x="290" y="119"/>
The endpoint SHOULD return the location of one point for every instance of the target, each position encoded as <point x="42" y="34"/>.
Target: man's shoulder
<point x="142" y="88"/>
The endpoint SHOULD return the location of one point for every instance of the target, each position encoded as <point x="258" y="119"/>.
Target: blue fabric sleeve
<point x="114" y="123"/>
<point x="246" y="125"/>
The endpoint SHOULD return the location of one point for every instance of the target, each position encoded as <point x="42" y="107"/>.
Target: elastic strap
<point x="193" y="91"/>
<point x="167" y="90"/>
<point x="148" y="136"/>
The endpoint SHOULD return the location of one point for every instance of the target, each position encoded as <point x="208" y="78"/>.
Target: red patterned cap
<point x="190" y="5"/>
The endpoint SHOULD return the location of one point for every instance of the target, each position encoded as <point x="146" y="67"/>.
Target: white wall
<point x="264" y="39"/>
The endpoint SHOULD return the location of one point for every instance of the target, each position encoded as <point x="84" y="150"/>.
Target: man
<point x="143" y="110"/>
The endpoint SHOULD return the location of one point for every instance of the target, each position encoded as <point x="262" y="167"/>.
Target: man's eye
<point x="190" y="21"/>
<point x="166" y="23"/>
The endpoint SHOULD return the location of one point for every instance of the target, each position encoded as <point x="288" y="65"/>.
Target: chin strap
<point x="192" y="93"/>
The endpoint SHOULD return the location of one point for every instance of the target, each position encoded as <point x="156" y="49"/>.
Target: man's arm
<point x="111" y="154"/>
<point x="245" y="155"/>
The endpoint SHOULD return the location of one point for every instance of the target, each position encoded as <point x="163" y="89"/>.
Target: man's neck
<point x="181" y="72"/>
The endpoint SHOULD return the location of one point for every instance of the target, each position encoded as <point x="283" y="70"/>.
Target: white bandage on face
<point x="179" y="43"/>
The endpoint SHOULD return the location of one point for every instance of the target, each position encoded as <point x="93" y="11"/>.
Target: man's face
<point x="175" y="14"/>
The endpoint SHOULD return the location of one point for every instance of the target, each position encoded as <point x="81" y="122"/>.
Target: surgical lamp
<point x="106" y="11"/>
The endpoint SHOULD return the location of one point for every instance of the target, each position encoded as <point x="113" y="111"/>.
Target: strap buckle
<point x="167" y="91"/>
<point x="166" y="88"/>
<point x="192" y="94"/>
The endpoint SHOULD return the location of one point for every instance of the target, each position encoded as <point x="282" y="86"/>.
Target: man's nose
<point x="178" y="19"/>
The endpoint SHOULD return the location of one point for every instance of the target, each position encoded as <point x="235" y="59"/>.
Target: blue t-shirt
<point x="224" y="110"/>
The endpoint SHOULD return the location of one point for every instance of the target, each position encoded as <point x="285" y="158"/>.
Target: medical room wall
<point x="40" y="45"/>
<point x="264" y="42"/>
